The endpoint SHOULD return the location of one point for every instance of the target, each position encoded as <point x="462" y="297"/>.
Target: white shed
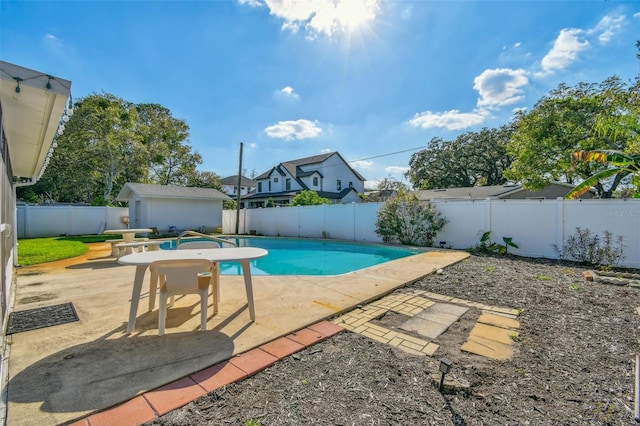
<point x="173" y="207"/>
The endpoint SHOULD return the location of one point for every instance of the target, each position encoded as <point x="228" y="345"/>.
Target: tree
<point x="587" y="117"/>
<point x="172" y="162"/>
<point x="391" y="184"/>
<point x="623" y="165"/>
<point x="109" y="142"/>
<point x="309" y="198"/>
<point x="98" y="151"/>
<point x="472" y="159"/>
<point x="205" y="180"/>
<point x="405" y="219"/>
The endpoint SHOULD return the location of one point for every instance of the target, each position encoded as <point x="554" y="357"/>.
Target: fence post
<point x="559" y="222"/>
<point x="487" y="215"/>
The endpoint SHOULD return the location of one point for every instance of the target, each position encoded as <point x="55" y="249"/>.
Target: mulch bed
<point x="574" y="363"/>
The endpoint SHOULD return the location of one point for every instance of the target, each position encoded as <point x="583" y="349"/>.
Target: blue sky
<point x="371" y="79"/>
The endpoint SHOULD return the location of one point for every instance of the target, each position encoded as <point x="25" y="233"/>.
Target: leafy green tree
<point x="109" y="142"/>
<point x="409" y="221"/>
<point x="587" y="117"/>
<point x="171" y="159"/>
<point x="472" y="159"/>
<point x="309" y="198"/>
<point x="205" y="180"/>
<point x="99" y="151"/>
<point x="623" y="165"/>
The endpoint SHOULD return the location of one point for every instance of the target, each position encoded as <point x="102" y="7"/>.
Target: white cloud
<point x="501" y="86"/>
<point x="636" y="15"/>
<point x="287" y="93"/>
<point x="298" y="129"/>
<point x="323" y="16"/>
<point x="565" y="50"/>
<point x="253" y="145"/>
<point x="362" y="164"/>
<point x="326" y="150"/>
<point x="251" y="3"/>
<point x="397" y="169"/>
<point x="450" y="120"/>
<point x="608" y="27"/>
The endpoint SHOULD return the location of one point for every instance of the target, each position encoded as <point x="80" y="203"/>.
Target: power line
<point x="386" y="155"/>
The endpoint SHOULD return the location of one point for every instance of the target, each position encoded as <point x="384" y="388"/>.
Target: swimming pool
<point x="288" y="256"/>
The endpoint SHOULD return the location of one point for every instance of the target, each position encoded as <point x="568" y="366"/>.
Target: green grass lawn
<point x="41" y="250"/>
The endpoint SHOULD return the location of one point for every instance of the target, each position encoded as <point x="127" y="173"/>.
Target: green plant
<point x="252" y="422"/>
<point x="488" y="246"/>
<point x="405" y="219"/>
<point x="520" y="311"/>
<point x="543" y="277"/>
<point x="309" y="198"/>
<point x="590" y="249"/>
<point x="489" y="268"/>
<point x="515" y="336"/>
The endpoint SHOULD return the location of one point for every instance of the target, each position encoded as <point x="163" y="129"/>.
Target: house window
<point x="350" y="184"/>
<point x="235" y="189"/>
<point x="275" y="180"/>
<point x="259" y="186"/>
<point x="338" y="185"/>
<point x="315" y="181"/>
<point x="287" y="185"/>
<point x="269" y="186"/>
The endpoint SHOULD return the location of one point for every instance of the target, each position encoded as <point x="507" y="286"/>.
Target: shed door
<point x="136" y="214"/>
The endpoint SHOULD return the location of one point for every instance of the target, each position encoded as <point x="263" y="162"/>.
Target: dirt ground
<point x="574" y="362"/>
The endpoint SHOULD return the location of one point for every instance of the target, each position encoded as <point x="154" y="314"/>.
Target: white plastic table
<point x="142" y="261"/>
<point x="128" y="235"/>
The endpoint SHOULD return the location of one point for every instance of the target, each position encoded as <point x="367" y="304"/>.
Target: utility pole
<point x="239" y="191"/>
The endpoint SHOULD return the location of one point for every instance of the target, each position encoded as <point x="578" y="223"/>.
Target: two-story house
<point x="327" y="174"/>
<point x="230" y="185"/>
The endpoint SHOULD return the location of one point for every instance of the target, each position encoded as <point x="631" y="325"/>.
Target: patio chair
<point x="183" y="277"/>
<point x="194" y="245"/>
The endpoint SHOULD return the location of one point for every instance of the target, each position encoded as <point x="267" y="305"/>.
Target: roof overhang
<point x="31" y="117"/>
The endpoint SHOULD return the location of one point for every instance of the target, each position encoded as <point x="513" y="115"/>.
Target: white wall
<point x="183" y="214"/>
<point x="52" y="221"/>
<point x="534" y="225"/>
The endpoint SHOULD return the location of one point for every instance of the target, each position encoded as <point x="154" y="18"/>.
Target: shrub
<point x="590" y="249"/>
<point x="405" y="219"/>
<point x="488" y="246"/>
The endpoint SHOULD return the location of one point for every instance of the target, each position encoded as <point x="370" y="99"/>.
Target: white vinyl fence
<point x="52" y="221"/>
<point x="535" y="225"/>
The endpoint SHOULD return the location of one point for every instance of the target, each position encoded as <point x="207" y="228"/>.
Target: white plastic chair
<point x="184" y="277"/>
<point x="194" y="245"/>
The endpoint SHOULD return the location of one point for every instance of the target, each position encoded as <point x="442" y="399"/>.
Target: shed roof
<point x="144" y="190"/>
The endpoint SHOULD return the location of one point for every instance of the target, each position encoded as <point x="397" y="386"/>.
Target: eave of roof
<point x="30" y="118"/>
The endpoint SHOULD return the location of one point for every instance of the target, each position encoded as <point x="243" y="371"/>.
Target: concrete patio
<point x="65" y="372"/>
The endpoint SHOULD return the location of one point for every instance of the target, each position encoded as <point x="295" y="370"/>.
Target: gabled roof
<point x="324" y="194"/>
<point x="144" y="190"/>
<point x="233" y="180"/>
<point x="293" y="167"/>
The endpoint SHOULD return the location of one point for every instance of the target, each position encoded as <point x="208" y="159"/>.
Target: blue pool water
<point x="309" y="257"/>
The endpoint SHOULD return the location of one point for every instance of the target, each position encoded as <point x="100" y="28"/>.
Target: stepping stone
<point x="488" y="348"/>
<point x="491" y="332"/>
<point x="424" y="327"/>
<point x="434" y="320"/>
<point x="499" y="321"/>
